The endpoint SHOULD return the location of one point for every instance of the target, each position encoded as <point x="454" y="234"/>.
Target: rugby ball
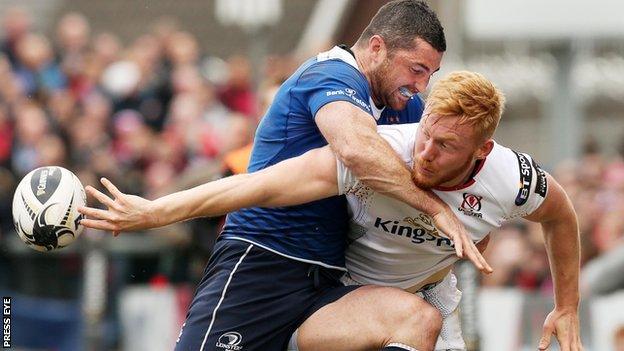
<point x="45" y="208"/>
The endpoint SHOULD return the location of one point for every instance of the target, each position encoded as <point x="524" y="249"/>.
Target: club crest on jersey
<point x="230" y="341"/>
<point x="471" y="205"/>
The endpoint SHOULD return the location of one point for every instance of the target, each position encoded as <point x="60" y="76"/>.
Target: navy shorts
<point x="253" y="299"/>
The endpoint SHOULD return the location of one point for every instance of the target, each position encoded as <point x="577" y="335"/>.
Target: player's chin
<point x="423" y="182"/>
<point x="398" y="103"/>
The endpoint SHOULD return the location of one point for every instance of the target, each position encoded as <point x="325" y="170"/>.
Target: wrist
<point x="568" y="307"/>
<point x="436" y="208"/>
<point x="155" y="214"/>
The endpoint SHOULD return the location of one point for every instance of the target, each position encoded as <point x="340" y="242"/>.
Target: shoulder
<point x="330" y="76"/>
<point x="514" y="179"/>
<point x="501" y="172"/>
<point x="401" y="138"/>
<point x="332" y="70"/>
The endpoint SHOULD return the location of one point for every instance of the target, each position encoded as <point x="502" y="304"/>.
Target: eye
<point x="416" y="70"/>
<point x="443" y="145"/>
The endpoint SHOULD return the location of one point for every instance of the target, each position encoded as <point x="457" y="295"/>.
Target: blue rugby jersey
<point x="410" y="114"/>
<point x="313" y="232"/>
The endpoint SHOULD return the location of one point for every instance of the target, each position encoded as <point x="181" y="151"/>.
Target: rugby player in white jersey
<point x="392" y="244"/>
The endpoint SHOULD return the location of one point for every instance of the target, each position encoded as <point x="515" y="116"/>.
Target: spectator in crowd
<point x="237" y="93"/>
<point x="73" y="34"/>
<point x="31" y="126"/>
<point x="38" y="73"/>
<point x="602" y="275"/>
<point x="16" y="22"/>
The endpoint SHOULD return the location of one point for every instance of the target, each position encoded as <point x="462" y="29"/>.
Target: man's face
<point x="444" y="152"/>
<point x="408" y="69"/>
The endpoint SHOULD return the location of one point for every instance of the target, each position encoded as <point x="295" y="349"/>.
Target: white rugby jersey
<point x="393" y="244"/>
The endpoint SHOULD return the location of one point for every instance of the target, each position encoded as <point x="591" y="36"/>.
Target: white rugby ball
<point x="45" y="208"/>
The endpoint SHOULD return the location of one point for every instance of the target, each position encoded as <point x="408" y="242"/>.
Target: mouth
<point x="425" y="171"/>
<point x="406" y="93"/>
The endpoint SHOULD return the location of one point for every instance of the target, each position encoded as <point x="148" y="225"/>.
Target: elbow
<point x="355" y="148"/>
<point x="349" y="155"/>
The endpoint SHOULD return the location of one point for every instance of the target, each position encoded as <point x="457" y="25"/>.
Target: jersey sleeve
<point x="532" y="186"/>
<point x="330" y="81"/>
<point x="517" y="182"/>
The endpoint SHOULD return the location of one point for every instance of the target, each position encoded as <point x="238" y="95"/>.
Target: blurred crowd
<point x="158" y="114"/>
<point x="153" y="115"/>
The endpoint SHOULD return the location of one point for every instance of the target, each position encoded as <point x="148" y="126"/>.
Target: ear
<point x="377" y="48"/>
<point x="485" y="149"/>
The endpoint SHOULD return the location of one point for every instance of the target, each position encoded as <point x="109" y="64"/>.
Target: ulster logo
<point x="471" y="205"/>
<point x="471" y="202"/>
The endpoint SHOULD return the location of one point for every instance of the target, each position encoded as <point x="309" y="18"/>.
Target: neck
<point x="363" y="60"/>
<point x="462" y="178"/>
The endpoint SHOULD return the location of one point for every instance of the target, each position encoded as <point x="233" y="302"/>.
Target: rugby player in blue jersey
<point x="273" y="267"/>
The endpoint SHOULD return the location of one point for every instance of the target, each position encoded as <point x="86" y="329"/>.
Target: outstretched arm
<point x="561" y="235"/>
<point x="309" y="177"/>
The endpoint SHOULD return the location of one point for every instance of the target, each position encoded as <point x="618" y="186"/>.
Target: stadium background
<point x="160" y="95"/>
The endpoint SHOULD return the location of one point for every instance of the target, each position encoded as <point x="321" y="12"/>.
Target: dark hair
<point x="399" y="22"/>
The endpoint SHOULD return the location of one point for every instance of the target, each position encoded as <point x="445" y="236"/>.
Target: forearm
<point x="376" y="164"/>
<point x="353" y="137"/>
<point x="562" y="244"/>
<point x="287" y="183"/>
<point x="208" y="200"/>
<point x="561" y="236"/>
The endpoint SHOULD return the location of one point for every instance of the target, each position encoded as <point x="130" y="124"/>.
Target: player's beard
<point x="425" y="181"/>
<point x="381" y="87"/>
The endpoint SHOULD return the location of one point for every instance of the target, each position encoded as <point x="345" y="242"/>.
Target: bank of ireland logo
<point x="230" y="341"/>
<point x="350" y="92"/>
<point x="471" y="202"/>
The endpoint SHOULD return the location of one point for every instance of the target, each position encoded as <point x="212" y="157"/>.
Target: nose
<point x="428" y="153"/>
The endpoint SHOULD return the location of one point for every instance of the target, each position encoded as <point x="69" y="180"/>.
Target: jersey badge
<point x="471" y="205"/>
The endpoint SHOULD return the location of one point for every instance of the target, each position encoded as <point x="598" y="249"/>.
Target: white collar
<point x="338" y="53"/>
